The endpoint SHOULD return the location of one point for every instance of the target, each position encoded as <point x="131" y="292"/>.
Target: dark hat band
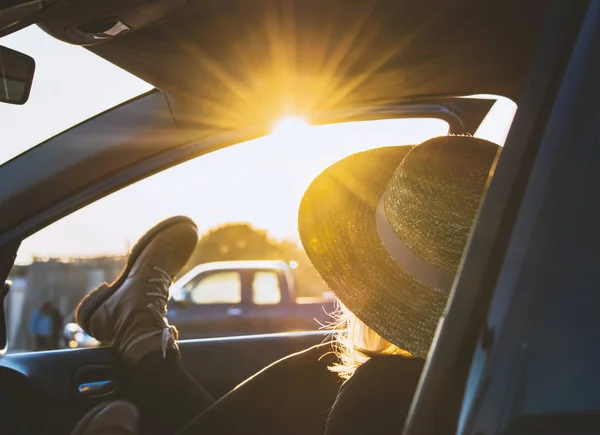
<point x="419" y="268"/>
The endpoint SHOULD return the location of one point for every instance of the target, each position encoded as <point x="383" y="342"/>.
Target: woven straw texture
<point x="431" y="195"/>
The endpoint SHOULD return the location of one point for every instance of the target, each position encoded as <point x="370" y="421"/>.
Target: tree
<point x="234" y="242"/>
<point x="241" y="241"/>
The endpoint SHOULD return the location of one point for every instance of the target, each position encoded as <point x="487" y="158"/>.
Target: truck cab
<point x="241" y="298"/>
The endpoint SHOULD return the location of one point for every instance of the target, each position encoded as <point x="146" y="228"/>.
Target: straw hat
<point x="386" y="229"/>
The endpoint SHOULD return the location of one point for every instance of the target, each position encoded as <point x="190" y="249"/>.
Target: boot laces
<point x="162" y="283"/>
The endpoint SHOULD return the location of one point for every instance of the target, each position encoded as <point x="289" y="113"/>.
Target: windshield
<point x="70" y="85"/>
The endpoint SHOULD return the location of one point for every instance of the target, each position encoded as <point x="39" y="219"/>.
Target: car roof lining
<point x="238" y="63"/>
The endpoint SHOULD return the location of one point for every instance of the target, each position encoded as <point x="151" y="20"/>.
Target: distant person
<point x="57" y="321"/>
<point x="41" y="326"/>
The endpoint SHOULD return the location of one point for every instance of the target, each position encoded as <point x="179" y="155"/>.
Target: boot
<point x="109" y="418"/>
<point x="131" y="312"/>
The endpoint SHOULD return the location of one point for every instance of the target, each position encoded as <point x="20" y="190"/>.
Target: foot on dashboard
<point x="131" y="312"/>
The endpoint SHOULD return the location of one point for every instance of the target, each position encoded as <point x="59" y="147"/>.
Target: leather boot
<point x="131" y="312"/>
<point x="109" y="418"/>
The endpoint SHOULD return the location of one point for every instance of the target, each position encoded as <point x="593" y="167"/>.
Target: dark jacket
<point x="298" y="395"/>
<point x="376" y="399"/>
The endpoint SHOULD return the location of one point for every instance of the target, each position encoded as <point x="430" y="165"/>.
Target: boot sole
<point x="93" y="300"/>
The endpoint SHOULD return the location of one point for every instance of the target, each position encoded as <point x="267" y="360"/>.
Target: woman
<point x="385" y="228"/>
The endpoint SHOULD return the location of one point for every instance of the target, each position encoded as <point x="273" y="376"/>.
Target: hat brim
<point x="337" y="226"/>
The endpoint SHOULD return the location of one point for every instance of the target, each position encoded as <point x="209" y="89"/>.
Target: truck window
<point x="217" y="288"/>
<point x="265" y="288"/>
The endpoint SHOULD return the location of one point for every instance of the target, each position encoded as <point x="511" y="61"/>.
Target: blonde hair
<point x="354" y="343"/>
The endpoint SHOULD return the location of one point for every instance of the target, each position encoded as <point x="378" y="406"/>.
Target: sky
<point x="260" y="182"/>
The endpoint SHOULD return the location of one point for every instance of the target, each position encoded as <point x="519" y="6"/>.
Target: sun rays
<point x="272" y="59"/>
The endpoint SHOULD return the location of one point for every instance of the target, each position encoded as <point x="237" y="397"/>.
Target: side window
<point x="265" y="288"/>
<point x="216" y="288"/>
<point x="245" y="201"/>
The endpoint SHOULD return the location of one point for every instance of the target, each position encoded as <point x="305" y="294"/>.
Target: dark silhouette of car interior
<point x="516" y="352"/>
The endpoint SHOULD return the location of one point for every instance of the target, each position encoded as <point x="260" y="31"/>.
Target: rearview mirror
<point x="16" y="76"/>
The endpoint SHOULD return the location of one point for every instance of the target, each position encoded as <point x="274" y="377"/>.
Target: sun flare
<point x="290" y="126"/>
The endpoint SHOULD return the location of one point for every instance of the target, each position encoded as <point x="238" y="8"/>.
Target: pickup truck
<point x="234" y="298"/>
<point x="241" y="298"/>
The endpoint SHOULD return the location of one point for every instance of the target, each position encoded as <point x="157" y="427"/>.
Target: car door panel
<point x="55" y="378"/>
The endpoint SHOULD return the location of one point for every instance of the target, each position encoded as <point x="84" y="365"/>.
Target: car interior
<point x="222" y="71"/>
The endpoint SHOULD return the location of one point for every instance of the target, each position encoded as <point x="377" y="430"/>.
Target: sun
<point x="290" y="126"/>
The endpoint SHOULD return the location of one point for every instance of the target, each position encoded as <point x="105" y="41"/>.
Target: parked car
<point x="75" y="337"/>
<point x="233" y="298"/>
<point x="243" y="297"/>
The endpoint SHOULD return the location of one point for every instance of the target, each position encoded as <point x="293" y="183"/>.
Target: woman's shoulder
<point x="385" y="375"/>
<point x="383" y="387"/>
